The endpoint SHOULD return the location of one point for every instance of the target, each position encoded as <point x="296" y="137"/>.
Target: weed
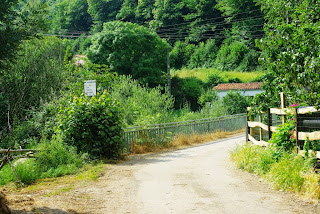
<point x="285" y="171"/>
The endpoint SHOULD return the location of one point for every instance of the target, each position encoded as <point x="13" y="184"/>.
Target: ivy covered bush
<point x="93" y="125"/>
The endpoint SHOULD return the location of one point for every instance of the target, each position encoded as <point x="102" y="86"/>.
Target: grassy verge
<point x="179" y="141"/>
<point x="288" y="172"/>
<point x="89" y="172"/>
<point x="203" y="73"/>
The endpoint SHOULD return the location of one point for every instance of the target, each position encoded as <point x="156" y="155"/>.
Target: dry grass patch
<point x="180" y="141"/>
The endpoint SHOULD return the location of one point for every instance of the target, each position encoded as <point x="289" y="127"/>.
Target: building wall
<point x="247" y="93"/>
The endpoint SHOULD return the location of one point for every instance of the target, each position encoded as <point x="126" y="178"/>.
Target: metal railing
<point x="165" y="131"/>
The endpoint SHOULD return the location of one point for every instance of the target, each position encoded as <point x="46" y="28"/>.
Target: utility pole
<point x="168" y="71"/>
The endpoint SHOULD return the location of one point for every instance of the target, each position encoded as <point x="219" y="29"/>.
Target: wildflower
<point x="291" y="137"/>
<point x="291" y="119"/>
<point x="294" y="104"/>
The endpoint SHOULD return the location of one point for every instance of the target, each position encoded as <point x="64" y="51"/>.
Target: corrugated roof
<point x="238" y="86"/>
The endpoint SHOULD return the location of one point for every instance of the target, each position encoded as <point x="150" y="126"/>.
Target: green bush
<point x="230" y="55"/>
<point x="141" y="105"/>
<point x="181" y="54"/>
<point x="213" y="80"/>
<point x="93" y="125"/>
<point x="55" y="158"/>
<point x="186" y="91"/>
<point x="208" y="97"/>
<point x="283" y="137"/>
<point x="204" y="55"/>
<point x="55" y="153"/>
<point x="235" y="103"/>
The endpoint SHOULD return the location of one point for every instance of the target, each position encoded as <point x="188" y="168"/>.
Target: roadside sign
<point x="90" y="88"/>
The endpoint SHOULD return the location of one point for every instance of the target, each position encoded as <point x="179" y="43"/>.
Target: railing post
<point x="283" y="106"/>
<point x="269" y="124"/>
<point x="260" y="129"/>
<point x="247" y="127"/>
<point x="297" y="131"/>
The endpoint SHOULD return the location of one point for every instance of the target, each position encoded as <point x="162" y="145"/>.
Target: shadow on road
<point x="45" y="210"/>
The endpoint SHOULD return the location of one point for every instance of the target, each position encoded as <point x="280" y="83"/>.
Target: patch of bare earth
<point x="196" y="180"/>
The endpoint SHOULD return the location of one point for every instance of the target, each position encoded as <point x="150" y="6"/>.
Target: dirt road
<point x="197" y="180"/>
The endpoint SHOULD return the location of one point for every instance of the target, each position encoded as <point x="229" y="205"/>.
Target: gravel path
<point x="196" y="180"/>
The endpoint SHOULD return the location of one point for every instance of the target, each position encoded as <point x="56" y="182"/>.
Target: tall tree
<point x="103" y="11"/>
<point x="130" y="49"/>
<point x="244" y="16"/>
<point x="291" y="51"/>
<point x="10" y="33"/>
<point x="70" y="15"/>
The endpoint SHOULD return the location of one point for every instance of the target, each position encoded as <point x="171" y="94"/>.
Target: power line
<point x="214" y="23"/>
<point x="221" y="17"/>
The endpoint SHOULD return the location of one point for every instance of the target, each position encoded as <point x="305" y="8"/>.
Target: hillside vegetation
<point x="204" y="74"/>
<point x="42" y="100"/>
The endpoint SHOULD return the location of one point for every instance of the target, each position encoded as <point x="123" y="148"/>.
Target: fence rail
<point x="306" y="128"/>
<point x="165" y="131"/>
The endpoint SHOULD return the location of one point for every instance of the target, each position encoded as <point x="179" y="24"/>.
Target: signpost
<point x="90" y="88"/>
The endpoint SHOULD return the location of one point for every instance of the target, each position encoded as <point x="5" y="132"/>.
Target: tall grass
<point x="289" y="172"/>
<point x="54" y="159"/>
<point x="203" y="73"/>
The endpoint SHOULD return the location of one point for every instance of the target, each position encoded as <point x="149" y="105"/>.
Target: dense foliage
<point x="93" y="125"/>
<point x="132" y="50"/>
<point x="291" y="52"/>
<point x="34" y="77"/>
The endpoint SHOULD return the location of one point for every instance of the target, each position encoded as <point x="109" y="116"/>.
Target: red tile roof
<point x="238" y="86"/>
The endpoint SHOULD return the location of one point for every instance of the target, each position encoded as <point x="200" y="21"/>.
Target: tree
<point x="19" y="21"/>
<point x="245" y="18"/>
<point x="10" y="33"/>
<point x="34" y="77"/>
<point x="70" y="15"/>
<point x="291" y="49"/>
<point x="130" y="49"/>
<point x="186" y="91"/>
<point x="128" y="11"/>
<point x="103" y="11"/>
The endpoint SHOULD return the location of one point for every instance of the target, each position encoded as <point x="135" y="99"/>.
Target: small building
<point x="246" y="89"/>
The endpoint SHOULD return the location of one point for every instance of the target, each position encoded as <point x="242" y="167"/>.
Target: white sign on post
<point x="90" y="88"/>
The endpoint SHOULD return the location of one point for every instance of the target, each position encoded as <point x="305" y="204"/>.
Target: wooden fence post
<point x="283" y="106"/>
<point x="247" y="127"/>
<point x="260" y="129"/>
<point x="297" y="131"/>
<point x="269" y="124"/>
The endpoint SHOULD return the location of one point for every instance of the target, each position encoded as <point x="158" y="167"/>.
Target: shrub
<point x="141" y="105"/>
<point x="93" y="125"/>
<point x="231" y="55"/>
<point x="186" y="91"/>
<point x="235" y="103"/>
<point x="180" y="54"/>
<point x="55" y="158"/>
<point x="213" y="80"/>
<point x="208" y="97"/>
<point x="234" y="80"/>
<point x="283" y="139"/>
<point x="204" y="55"/>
